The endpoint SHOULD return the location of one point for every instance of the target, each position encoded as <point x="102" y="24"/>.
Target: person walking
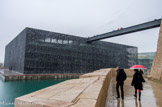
<point x="120" y="78"/>
<point x="137" y="83"/>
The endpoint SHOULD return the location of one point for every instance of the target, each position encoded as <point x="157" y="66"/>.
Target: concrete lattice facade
<point x="15" y="53"/>
<point x="36" y="51"/>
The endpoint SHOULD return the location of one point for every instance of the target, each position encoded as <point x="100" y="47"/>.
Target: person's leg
<point x="122" y="91"/>
<point x="117" y="90"/>
<point x="135" y="95"/>
<point x="139" y="94"/>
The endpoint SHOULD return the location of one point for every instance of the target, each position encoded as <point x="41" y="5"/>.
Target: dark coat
<point x="120" y="76"/>
<point x="137" y="81"/>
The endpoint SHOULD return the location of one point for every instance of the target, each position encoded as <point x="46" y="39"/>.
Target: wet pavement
<point x="151" y="95"/>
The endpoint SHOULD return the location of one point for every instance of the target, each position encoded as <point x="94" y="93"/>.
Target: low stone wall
<point x="38" y="76"/>
<point x="90" y="90"/>
<point x="129" y="72"/>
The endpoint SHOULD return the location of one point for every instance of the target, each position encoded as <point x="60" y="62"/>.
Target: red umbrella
<point x="138" y="67"/>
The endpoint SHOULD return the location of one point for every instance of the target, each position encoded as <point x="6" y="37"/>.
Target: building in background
<point x="146" y="59"/>
<point x="36" y="51"/>
<point x="1" y="66"/>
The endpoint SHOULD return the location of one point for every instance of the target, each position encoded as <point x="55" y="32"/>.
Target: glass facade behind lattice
<point x="146" y="59"/>
<point x="50" y="52"/>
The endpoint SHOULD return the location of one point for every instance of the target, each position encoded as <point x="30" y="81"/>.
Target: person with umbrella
<point x="137" y="80"/>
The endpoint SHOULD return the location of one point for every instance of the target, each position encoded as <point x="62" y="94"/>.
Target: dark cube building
<point x="36" y="51"/>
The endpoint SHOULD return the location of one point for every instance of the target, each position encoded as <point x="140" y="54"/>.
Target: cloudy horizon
<point x="84" y="18"/>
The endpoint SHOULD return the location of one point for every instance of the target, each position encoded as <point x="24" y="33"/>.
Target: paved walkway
<point x="151" y="95"/>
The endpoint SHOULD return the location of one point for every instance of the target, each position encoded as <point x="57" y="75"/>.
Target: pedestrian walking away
<point x="120" y="78"/>
<point x="137" y="83"/>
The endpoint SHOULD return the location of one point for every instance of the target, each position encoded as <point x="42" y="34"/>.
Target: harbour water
<point x="12" y="89"/>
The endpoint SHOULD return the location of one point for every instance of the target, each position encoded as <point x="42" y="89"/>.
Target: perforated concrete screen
<point x="42" y="52"/>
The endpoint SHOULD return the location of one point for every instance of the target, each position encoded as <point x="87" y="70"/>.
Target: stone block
<point x="90" y="90"/>
<point x="156" y="70"/>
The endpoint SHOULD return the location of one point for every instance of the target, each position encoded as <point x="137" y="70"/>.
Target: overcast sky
<point x="83" y="18"/>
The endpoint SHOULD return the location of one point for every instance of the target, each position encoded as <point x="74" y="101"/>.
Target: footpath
<point x="151" y="95"/>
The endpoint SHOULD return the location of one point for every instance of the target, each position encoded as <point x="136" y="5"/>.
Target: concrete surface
<point x="9" y="72"/>
<point x="96" y="89"/>
<point x="8" y="75"/>
<point x="151" y="95"/>
<point x="87" y="91"/>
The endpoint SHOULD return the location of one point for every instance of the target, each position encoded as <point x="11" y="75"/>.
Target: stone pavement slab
<point x="90" y="90"/>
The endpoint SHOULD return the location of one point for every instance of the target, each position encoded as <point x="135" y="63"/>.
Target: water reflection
<point x="136" y="103"/>
<point x="118" y="103"/>
<point x="122" y="103"/>
<point x="140" y="104"/>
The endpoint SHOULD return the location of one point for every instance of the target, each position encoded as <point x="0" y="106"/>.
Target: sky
<point x="84" y="18"/>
